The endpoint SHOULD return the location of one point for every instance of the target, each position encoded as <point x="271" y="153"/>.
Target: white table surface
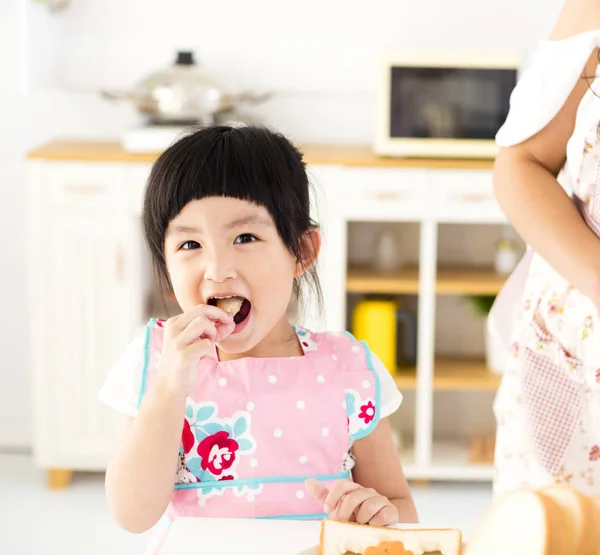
<point x="228" y="536"/>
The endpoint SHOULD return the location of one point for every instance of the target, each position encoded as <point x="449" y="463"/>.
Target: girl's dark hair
<point x="249" y="163"/>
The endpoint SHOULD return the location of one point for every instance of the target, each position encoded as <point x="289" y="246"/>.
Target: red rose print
<point x="595" y="453"/>
<point x="223" y="478"/>
<point x="598" y="376"/>
<point x="367" y="412"/>
<point x="187" y="437"/>
<point x="217" y="452"/>
<point x="160" y="323"/>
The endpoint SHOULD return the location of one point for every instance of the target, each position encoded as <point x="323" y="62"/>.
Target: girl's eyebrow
<point x="182" y="229"/>
<point x="233" y="224"/>
<point x="248" y="220"/>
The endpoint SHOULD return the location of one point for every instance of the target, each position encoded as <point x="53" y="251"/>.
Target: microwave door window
<point x="441" y="103"/>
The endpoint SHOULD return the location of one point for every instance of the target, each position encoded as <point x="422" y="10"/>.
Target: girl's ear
<point x="310" y="246"/>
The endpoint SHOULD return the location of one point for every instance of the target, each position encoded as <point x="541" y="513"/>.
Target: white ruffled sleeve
<point x="391" y="398"/>
<point x="545" y="85"/>
<point x="121" y="389"/>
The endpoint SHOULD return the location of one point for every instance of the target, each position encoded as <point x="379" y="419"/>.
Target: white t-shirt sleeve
<point x="545" y="85"/>
<point x="122" y="386"/>
<point x="391" y="398"/>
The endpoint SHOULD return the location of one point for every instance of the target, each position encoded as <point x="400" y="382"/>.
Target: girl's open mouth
<point x="239" y="307"/>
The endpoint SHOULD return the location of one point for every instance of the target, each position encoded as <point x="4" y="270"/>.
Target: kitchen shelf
<point x="364" y="280"/>
<point x="452" y="374"/>
<point x="449" y="461"/>
<point x="468" y="281"/>
<point x="450" y="281"/>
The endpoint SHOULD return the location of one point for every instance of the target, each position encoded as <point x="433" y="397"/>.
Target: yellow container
<point x="374" y="321"/>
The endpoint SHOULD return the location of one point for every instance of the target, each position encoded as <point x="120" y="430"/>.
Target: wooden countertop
<point x="341" y="155"/>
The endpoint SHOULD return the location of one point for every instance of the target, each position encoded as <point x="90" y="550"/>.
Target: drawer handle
<point x="120" y="264"/>
<point x="473" y="198"/>
<point x="389" y="195"/>
<point x="86" y="190"/>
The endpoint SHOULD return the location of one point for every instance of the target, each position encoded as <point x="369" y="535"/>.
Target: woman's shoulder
<point x="544" y="85"/>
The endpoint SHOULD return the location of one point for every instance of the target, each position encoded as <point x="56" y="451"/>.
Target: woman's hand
<point x="189" y="337"/>
<point x="350" y="502"/>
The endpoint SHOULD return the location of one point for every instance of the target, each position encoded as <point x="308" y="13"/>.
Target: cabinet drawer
<point x="465" y="196"/>
<point x="86" y="186"/>
<point x="384" y="194"/>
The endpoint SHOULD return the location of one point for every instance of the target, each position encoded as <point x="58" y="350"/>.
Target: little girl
<point x="547" y="179"/>
<point x="236" y="412"/>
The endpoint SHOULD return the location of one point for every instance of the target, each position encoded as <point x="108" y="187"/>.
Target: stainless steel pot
<point x="183" y="93"/>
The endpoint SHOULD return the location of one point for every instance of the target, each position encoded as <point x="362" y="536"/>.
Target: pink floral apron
<point x="256" y="428"/>
<point x="548" y="404"/>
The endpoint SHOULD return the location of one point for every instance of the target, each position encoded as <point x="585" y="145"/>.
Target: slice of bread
<point x="339" y="538"/>
<point x="595" y="499"/>
<point x="522" y="523"/>
<point x="580" y="518"/>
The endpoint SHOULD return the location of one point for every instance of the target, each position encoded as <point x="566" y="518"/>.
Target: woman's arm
<point x="525" y="178"/>
<point x="378" y="468"/>
<point x="577" y="16"/>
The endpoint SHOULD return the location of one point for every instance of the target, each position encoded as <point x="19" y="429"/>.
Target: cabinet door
<point x="86" y="303"/>
<point x="88" y="322"/>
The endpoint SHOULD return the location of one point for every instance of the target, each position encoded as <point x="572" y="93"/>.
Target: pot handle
<point x="252" y="96"/>
<point x="118" y="95"/>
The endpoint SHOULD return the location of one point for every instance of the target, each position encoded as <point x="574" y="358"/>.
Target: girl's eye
<point x="190" y="245"/>
<point x="245" y="238"/>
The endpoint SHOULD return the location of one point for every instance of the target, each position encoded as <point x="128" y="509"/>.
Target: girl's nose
<point x="219" y="268"/>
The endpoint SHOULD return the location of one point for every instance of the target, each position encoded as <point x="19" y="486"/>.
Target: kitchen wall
<point x="317" y="57"/>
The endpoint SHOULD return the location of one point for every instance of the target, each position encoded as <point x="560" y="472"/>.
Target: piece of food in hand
<point x="230" y="304"/>
<point x="339" y="538"/>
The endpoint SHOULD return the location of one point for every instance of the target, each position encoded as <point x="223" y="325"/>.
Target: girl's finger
<point x="200" y="328"/>
<point x="180" y="322"/>
<point x="199" y="349"/>
<point x="385" y="517"/>
<point x="351" y="503"/>
<point x="337" y="491"/>
<point x="370" y="508"/>
<point x="317" y="490"/>
<point x="224" y="330"/>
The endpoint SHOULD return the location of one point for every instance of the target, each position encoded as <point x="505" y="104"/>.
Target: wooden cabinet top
<point x="332" y="155"/>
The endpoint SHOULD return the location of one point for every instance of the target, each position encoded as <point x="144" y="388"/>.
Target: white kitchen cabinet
<point x="85" y="304"/>
<point x="90" y="276"/>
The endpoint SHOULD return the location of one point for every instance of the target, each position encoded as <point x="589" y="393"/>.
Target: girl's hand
<point x="189" y="337"/>
<point x="350" y="502"/>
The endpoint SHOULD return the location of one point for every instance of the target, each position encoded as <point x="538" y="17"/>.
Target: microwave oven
<point x="442" y="104"/>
